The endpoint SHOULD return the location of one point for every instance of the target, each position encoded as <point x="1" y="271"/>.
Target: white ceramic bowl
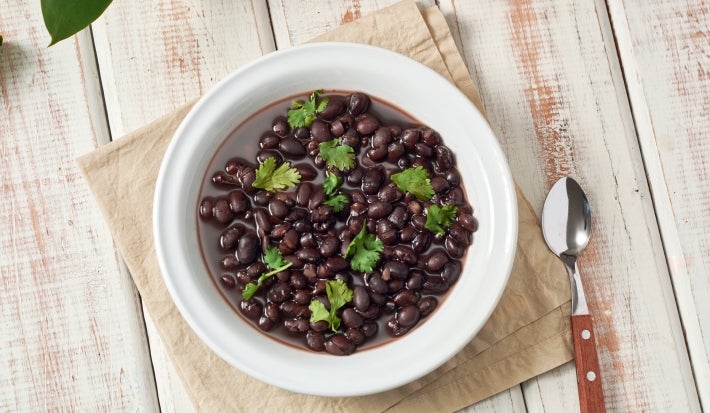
<point x="394" y="78"/>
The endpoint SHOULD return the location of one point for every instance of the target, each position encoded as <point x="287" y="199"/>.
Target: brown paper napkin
<point x="527" y="334"/>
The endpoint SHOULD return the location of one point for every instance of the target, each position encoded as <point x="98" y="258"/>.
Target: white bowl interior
<point x="407" y="84"/>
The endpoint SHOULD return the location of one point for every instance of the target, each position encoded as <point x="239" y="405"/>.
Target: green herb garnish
<point x="338" y="294"/>
<point x="332" y="183"/>
<point x="415" y="181"/>
<point x="364" y="250"/>
<point x="304" y="113"/>
<point x="274" y="261"/>
<point x="438" y="218"/>
<point x="337" y="155"/>
<point x="271" y="178"/>
<point x="337" y="201"/>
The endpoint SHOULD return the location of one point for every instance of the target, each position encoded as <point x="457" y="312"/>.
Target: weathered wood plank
<point x="72" y="330"/>
<point x="665" y="51"/>
<point x="153" y="58"/>
<point x="554" y="94"/>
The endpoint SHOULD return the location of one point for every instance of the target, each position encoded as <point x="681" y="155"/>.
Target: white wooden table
<point x="615" y="93"/>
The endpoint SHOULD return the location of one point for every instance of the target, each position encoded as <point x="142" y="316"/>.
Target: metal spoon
<point x="567" y="227"/>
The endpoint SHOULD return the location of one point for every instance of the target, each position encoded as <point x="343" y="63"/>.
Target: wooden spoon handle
<point x="589" y="381"/>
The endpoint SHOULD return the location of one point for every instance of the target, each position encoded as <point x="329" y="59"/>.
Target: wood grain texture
<point x="554" y="93"/>
<point x="589" y="380"/>
<point x="154" y="58"/>
<point x="72" y="336"/>
<point x="665" y="51"/>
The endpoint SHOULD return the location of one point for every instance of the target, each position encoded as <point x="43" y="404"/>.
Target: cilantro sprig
<point x="275" y="262"/>
<point x="438" y="218"/>
<point x="338" y="294"/>
<point x="415" y="181"/>
<point x="304" y="113"/>
<point x="271" y="178"/>
<point x="330" y="187"/>
<point x="364" y="250"/>
<point x="337" y="155"/>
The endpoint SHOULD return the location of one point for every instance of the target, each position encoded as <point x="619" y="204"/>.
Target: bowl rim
<point x="164" y="238"/>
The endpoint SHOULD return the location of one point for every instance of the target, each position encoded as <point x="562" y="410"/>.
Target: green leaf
<point x="304" y="113"/>
<point x="273" y="258"/>
<point x="331" y="183"/>
<point x="337" y="155"/>
<point x="271" y="178"/>
<point x="64" y="18"/>
<point x="337" y="201"/>
<point x="415" y="181"/>
<point x="439" y="218"/>
<point x="364" y="250"/>
<point x="338" y="294"/>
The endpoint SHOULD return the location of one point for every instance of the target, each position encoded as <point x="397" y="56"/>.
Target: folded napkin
<point x="527" y="334"/>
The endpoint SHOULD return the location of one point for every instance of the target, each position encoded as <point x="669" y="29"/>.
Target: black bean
<point x="414" y="207"/>
<point x="247" y="248"/>
<point x="296" y="325"/>
<point x="419" y="222"/>
<point x="308" y="254"/>
<point x="415" y="280"/>
<point x="307" y="172"/>
<point x="250" y="308"/>
<point x="229" y="262"/>
<point x="344" y="277"/>
<point x="458" y="233"/>
<point x="377" y="154"/>
<point x="339" y="345"/>
<point x="410" y="137"/>
<point x="243" y="277"/>
<point x="423" y="150"/>
<point x="366" y="124"/>
<point x="292" y="148"/>
<point x="337" y="128"/>
<point x="293" y="309"/>
<point x="303" y="193"/>
<point x="335" y="264"/>
<point x="376" y="283"/>
<point x="269" y="141"/>
<point x="468" y="222"/>
<point x="265" y="154"/>
<point x="434" y="284"/>
<point x="221" y="178"/>
<point x="405" y="254"/>
<point x="371" y="181"/>
<point x="355" y="176"/>
<point x="386" y="232"/>
<point x="302" y="297"/>
<point x="354" y="335"/>
<point x="453" y="177"/>
<point x="405" y="297"/>
<point x="206" y="207"/>
<point x="317" y="197"/>
<point x="255" y="270"/>
<point x="280" y="127"/>
<point x="395" y="151"/>
<point x="455" y="196"/>
<point x="351" y="318"/>
<point x="453" y="248"/>
<point x="394" y="269"/>
<point x="279" y="292"/>
<point x="228" y="281"/>
<point x="272" y="312"/>
<point x="265" y="324"/>
<point x="451" y="272"/>
<point x="408" y="315"/>
<point x="358" y="103"/>
<point x="238" y="201"/>
<point x="426" y="305"/>
<point x="369" y="329"/>
<point x="377" y="298"/>
<point x="358" y="196"/>
<point x="351" y="138"/>
<point x="390" y="193"/>
<point x="290" y="239"/>
<point x="372" y="312"/>
<point x="262" y="197"/>
<point x="332" y="109"/>
<point x="302" y="133"/>
<point x="228" y="239"/>
<point x="315" y="340"/>
<point x="302" y="225"/>
<point x="379" y="209"/>
<point x="222" y="212"/>
<point x="436" y="260"/>
<point x="329" y="246"/>
<point x="261" y="217"/>
<point x="298" y="280"/>
<point x="320" y="131"/>
<point x="444" y="158"/>
<point x="320" y="326"/>
<point x="421" y="242"/>
<point x="395" y="329"/>
<point x="381" y="138"/>
<point x="279" y="230"/>
<point x="394" y="285"/>
<point x="408" y="233"/>
<point x="439" y="184"/>
<point x="361" y="299"/>
<point x="296" y="263"/>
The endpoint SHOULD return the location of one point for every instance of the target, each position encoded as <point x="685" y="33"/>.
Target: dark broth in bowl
<point x="410" y="234"/>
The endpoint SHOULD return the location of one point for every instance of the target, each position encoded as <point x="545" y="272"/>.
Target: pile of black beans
<point x="416" y="267"/>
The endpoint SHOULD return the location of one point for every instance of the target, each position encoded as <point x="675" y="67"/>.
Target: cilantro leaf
<point x="304" y="113"/>
<point x="438" y="218"/>
<point x="331" y="183"/>
<point x="338" y="294"/>
<point x="271" y="178"/>
<point x="273" y="258"/>
<point x="364" y="250"/>
<point x="335" y="154"/>
<point x="416" y="181"/>
<point x="337" y="201"/>
<point x="276" y="262"/>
